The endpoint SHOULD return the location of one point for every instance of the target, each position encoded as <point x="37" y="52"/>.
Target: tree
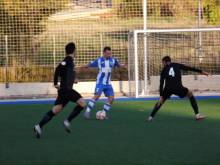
<point x="130" y="9"/>
<point x="211" y="11"/>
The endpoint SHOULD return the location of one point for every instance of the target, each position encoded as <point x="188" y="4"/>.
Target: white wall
<point x="47" y="89"/>
<point x="30" y="90"/>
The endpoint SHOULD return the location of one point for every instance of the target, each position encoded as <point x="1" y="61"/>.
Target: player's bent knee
<point x="57" y="109"/>
<point x="189" y="94"/>
<point x="161" y="101"/>
<point x="111" y="99"/>
<point x="96" y="97"/>
<point x="81" y="102"/>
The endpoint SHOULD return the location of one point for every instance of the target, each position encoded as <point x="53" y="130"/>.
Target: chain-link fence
<point x="33" y="34"/>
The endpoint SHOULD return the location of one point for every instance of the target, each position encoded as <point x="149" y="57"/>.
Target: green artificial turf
<point x="173" y="138"/>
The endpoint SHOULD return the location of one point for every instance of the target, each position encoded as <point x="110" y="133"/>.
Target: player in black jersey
<point x="171" y="83"/>
<point x="65" y="71"/>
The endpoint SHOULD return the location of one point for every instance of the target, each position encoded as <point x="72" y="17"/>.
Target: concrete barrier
<point x="32" y="90"/>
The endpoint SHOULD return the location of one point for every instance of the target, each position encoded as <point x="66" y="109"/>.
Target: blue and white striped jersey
<point x="105" y="69"/>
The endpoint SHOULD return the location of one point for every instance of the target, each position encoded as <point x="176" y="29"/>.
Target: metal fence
<point x="33" y="35"/>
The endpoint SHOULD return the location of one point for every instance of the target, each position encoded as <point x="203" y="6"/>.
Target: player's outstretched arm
<point x="125" y="66"/>
<point x="119" y="65"/>
<point x="82" y="66"/>
<point x="92" y="64"/>
<point x="189" y="68"/>
<point x="76" y="80"/>
<point x="206" y="73"/>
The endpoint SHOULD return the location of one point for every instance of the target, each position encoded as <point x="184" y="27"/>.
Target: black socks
<point x="47" y="117"/>
<point x="76" y="111"/>
<point x="194" y="104"/>
<point x="192" y="101"/>
<point x="156" y="108"/>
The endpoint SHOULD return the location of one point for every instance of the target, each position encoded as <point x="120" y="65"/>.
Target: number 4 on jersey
<point x="171" y="72"/>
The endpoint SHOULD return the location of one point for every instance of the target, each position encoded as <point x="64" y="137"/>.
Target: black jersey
<point x="65" y="71"/>
<point x="171" y="75"/>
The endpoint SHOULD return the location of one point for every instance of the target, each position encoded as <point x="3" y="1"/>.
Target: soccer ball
<point x="100" y="115"/>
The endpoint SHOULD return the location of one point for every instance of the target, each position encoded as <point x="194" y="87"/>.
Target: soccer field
<point x="173" y="138"/>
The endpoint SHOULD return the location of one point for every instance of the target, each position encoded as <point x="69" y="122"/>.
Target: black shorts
<point x="64" y="96"/>
<point x="179" y="91"/>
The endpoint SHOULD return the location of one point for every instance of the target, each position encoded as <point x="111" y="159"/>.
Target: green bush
<point x="130" y="9"/>
<point x="211" y="11"/>
<point x="160" y="8"/>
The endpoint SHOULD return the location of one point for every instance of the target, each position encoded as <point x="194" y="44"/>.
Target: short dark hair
<point x="166" y="59"/>
<point x="107" y="48"/>
<point x="70" y="48"/>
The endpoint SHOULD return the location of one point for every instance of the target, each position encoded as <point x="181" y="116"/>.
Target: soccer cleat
<point x="37" y="131"/>
<point x="87" y="115"/>
<point x="66" y="125"/>
<point x="106" y="117"/>
<point x="199" y="117"/>
<point x="150" y="119"/>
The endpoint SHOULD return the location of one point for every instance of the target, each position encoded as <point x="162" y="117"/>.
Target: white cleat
<point x="87" y="115"/>
<point x="199" y="117"/>
<point x="150" y="119"/>
<point x="66" y="125"/>
<point x="37" y="131"/>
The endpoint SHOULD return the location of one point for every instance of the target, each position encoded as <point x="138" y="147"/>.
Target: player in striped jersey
<point x="105" y="64"/>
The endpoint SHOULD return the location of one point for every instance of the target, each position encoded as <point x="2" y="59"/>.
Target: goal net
<point x="194" y="47"/>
